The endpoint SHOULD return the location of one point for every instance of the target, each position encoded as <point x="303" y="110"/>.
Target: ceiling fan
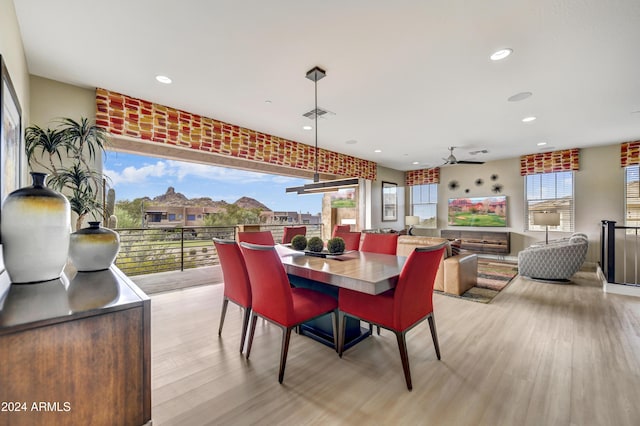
<point x="451" y="159"/>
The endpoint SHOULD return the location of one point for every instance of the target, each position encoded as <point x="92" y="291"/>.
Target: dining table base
<point x="321" y="328"/>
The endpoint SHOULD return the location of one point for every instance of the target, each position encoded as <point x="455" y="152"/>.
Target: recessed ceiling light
<point x="377" y="150"/>
<point x="351" y="142"/>
<point x="542" y="143"/>
<point x="163" y="79"/>
<point x="267" y="101"/>
<point x="519" y="96"/>
<point x="501" y="54"/>
<point x="416" y="162"/>
<point x="635" y="112"/>
<point x="528" y="119"/>
<point x="307" y="127"/>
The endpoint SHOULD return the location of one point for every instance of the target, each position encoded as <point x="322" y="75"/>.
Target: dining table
<point x="371" y="273"/>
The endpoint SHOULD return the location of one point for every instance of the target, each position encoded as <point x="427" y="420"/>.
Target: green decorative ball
<point x="299" y="242"/>
<point x="335" y="245"/>
<point x="315" y="244"/>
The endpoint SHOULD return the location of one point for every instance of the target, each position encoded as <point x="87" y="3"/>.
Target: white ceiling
<point x="408" y="77"/>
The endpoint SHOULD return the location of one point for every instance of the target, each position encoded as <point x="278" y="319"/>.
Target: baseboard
<point x="622" y="289"/>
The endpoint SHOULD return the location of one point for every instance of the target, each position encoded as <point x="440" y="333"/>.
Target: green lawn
<point x="467" y="219"/>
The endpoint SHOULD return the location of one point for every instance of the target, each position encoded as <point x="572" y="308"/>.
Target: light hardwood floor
<point x="539" y="354"/>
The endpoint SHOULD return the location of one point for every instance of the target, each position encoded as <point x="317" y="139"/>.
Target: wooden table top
<point x="370" y="273"/>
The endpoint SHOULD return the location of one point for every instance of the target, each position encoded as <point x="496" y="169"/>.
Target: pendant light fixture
<point x="315" y="74"/>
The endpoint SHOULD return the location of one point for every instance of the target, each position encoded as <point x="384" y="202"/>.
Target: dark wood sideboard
<point x="485" y="242"/>
<point x="75" y="350"/>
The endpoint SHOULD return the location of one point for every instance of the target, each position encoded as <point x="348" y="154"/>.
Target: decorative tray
<point x="323" y="253"/>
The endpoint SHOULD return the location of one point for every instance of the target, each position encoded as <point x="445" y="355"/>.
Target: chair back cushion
<point x="351" y="239"/>
<point x="340" y="228"/>
<point x="234" y="272"/>
<point x="379" y="243"/>
<point x="292" y="231"/>
<point x="413" y="298"/>
<point x="258" y="237"/>
<point x="270" y="288"/>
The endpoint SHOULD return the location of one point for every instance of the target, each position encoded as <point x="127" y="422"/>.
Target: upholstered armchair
<point x="555" y="261"/>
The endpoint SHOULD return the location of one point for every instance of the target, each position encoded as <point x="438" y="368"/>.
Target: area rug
<point x="493" y="276"/>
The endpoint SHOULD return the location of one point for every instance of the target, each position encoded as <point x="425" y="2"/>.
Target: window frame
<point x="528" y="213"/>
<point x="627" y="220"/>
<point x="412" y="204"/>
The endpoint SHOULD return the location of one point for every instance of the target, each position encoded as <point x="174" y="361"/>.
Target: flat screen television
<point x="478" y="211"/>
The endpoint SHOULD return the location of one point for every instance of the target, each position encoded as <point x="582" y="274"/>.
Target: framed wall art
<point x="389" y="202"/>
<point x="10" y="135"/>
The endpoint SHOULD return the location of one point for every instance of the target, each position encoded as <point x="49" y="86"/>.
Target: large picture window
<point x="550" y="192"/>
<point x="632" y="195"/>
<point x="424" y="203"/>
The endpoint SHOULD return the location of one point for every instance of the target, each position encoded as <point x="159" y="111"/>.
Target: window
<point x="424" y="203"/>
<point x="632" y="195"/>
<point x="191" y="217"/>
<point x="172" y="216"/>
<point x="549" y="192"/>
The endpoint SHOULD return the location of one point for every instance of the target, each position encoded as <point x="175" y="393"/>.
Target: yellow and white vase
<point x="94" y="248"/>
<point x="35" y="230"/>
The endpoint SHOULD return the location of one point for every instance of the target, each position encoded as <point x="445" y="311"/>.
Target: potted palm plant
<point x="66" y="153"/>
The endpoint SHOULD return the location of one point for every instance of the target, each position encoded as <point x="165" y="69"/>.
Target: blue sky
<point x="135" y="176"/>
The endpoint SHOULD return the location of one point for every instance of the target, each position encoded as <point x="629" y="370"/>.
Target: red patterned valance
<point x="136" y="118"/>
<point x="629" y="154"/>
<point x="422" y="176"/>
<point x="549" y="162"/>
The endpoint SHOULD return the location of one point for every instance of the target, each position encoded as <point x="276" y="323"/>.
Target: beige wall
<point x="598" y="195"/>
<point x="387" y="175"/>
<point x="52" y="100"/>
<point x="13" y="56"/>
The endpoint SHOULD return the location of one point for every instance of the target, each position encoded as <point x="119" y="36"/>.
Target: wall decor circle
<point x="494" y="177"/>
<point x="479" y="182"/>
<point x="453" y="185"/>
<point x="466" y="191"/>
<point x="497" y="188"/>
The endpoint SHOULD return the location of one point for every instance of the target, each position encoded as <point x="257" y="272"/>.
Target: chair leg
<point x="378" y="329"/>
<point x="404" y="356"/>
<point x="245" y="325"/>
<point x="434" y="334"/>
<point x="286" y="336"/>
<point x="225" y="302"/>
<point x="254" y="320"/>
<point x="342" y="327"/>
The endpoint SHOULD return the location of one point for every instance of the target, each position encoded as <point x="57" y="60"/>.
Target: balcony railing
<point x="620" y="253"/>
<point x="151" y="250"/>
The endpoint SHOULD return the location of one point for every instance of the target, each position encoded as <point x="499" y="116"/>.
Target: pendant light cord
<point x="316" y="176"/>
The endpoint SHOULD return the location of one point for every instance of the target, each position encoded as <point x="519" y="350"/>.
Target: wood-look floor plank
<point x="539" y="354"/>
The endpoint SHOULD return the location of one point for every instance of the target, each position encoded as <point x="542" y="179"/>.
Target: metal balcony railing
<point x="151" y="250"/>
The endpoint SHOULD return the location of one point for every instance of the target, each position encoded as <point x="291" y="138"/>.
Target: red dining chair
<point x="351" y="239"/>
<point x="277" y="302"/>
<point x="379" y="243"/>
<point x="236" y="282"/>
<point x="401" y="308"/>
<point x="340" y="228"/>
<point x="257" y="237"/>
<point x="292" y="231"/>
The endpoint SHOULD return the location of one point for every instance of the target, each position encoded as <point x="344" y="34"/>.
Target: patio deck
<point x="174" y="280"/>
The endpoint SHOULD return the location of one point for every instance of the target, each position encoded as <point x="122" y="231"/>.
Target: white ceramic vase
<point x="35" y="229"/>
<point x="94" y="248"/>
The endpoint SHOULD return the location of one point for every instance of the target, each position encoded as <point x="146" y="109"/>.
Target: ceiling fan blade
<point x="470" y="162"/>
